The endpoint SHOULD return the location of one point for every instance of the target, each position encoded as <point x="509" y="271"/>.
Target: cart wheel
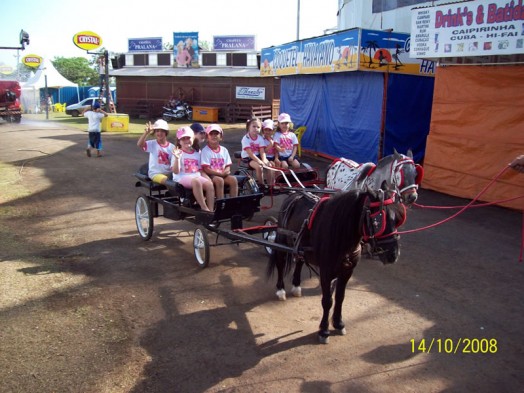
<point x="271" y="235"/>
<point x="249" y="187"/>
<point x="201" y="247"/>
<point x="144" y="217"/>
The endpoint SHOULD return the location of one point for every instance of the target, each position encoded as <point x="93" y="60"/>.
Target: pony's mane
<point x="336" y="229"/>
<point x="386" y="160"/>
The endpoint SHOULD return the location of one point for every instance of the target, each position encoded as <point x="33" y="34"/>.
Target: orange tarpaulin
<point x="477" y="128"/>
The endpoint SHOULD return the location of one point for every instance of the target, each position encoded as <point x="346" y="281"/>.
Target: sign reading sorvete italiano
<point x="477" y="28"/>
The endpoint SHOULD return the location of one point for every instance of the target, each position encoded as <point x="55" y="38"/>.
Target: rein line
<point x="470" y="205"/>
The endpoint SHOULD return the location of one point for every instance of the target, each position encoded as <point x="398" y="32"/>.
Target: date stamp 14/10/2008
<point x="454" y="345"/>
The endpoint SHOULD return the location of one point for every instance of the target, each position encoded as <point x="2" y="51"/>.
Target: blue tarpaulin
<point x="408" y="114"/>
<point x="343" y="112"/>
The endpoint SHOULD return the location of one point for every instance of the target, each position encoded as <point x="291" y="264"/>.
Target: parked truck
<point x="10" y="110"/>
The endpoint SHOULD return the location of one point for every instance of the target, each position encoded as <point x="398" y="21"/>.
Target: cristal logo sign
<point x="87" y="40"/>
<point x="32" y="61"/>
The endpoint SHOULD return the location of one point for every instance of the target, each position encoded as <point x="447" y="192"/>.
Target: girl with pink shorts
<point x="187" y="170"/>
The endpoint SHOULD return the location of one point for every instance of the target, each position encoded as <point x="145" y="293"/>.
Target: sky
<point x="51" y="24"/>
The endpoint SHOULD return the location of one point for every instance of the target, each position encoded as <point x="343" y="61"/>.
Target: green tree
<point x="76" y="69"/>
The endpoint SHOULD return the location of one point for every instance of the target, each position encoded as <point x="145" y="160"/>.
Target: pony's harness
<point x="374" y="224"/>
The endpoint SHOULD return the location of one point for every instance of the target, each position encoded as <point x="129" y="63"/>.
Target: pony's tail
<point x="278" y="258"/>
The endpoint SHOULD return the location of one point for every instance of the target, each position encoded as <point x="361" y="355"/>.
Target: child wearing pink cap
<point x="216" y="162"/>
<point x="186" y="169"/>
<point x="286" y="142"/>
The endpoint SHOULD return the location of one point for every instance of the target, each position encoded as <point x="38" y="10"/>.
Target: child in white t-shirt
<point x="286" y="142"/>
<point x="216" y="162"/>
<point x="186" y="167"/>
<point x="160" y="151"/>
<point x="253" y="152"/>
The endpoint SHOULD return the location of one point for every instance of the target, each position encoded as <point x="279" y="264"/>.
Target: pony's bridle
<point x="397" y="175"/>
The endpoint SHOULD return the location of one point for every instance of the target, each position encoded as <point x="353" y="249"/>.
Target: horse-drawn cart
<point x="174" y="202"/>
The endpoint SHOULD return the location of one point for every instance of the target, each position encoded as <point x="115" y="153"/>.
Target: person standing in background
<point x="94" y="128"/>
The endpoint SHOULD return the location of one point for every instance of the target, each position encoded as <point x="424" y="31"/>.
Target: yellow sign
<point x="87" y="40"/>
<point x="6" y="70"/>
<point x="32" y="61"/>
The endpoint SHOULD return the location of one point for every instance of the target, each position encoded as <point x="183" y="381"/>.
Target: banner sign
<point x="250" y="93"/>
<point x="185" y="48"/>
<point x="145" y="44"/>
<point x="33" y="61"/>
<point x="87" y="40"/>
<point x="234" y="42"/>
<point x="349" y="50"/>
<point x="477" y="28"/>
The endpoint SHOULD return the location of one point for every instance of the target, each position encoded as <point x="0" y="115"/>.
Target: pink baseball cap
<point x="185" y="131"/>
<point x="214" y="127"/>
<point x="284" y="118"/>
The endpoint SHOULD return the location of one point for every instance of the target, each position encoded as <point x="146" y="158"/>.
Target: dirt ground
<point x="87" y="306"/>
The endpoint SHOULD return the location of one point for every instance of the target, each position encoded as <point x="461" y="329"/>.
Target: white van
<point x="75" y="109"/>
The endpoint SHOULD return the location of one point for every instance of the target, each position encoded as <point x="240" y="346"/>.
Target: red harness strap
<point x="314" y="211"/>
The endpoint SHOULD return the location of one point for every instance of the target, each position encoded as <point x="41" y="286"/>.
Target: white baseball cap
<point x="268" y="124"/>
<point x="161" y="125"/>
<point x="284" y="118"/>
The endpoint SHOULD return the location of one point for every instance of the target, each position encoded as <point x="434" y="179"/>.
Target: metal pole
<point x="46" y="100"/>
<point x="108" y="92"/>
<point x="298" y="20"/>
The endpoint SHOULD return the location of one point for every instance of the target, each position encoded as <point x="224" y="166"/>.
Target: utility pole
<point x="298" y="20"/>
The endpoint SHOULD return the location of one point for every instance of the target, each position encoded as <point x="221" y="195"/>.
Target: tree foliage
<point x="76" y="69"/>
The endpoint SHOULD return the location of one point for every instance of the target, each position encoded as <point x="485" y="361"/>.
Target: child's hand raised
<point x="149" y="128"/>
<point x="177" y="152"/>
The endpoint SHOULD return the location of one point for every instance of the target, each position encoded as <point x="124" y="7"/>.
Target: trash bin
<point x="116" y="122"/>
<point x="205" y="113"/>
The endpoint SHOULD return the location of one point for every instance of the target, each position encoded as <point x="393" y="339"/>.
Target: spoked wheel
<point x="248" y="187"/>
<point x="201" y="247"/>
<point x="144" y="217"/>
<point x="271" y="235"/>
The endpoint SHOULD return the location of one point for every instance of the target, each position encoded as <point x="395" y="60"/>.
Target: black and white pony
<point x="326" y="233"/>
<point x="395" y="172"/>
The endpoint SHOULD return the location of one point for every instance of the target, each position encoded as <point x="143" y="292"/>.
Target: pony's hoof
<point x="296" y="291"/>
<point x="281" y="294"/>
<point x="323" y="339"/>
<point x="342" y="331"/>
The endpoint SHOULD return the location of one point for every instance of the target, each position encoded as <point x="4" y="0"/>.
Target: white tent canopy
<point x="30" y="89"/>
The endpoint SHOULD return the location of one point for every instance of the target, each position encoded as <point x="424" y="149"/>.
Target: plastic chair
<point x="299" y="132"/>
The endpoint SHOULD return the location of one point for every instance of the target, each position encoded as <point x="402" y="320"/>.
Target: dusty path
<point x="86" y="306"/>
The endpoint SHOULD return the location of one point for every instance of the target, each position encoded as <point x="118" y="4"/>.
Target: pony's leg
<point x="327" y="302"/>
<point x="280" y="264"/>
<point x="296" y="290"/>
<point x="340" y="292"/>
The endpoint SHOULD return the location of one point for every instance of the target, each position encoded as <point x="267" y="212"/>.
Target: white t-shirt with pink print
<point x="286" y="141"/>
<point x="217" y="160"/>
<point x="189" y="165"/>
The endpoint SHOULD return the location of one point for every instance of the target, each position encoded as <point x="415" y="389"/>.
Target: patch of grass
<point x="10" y="187"/>
<point x="136" y="126"/>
